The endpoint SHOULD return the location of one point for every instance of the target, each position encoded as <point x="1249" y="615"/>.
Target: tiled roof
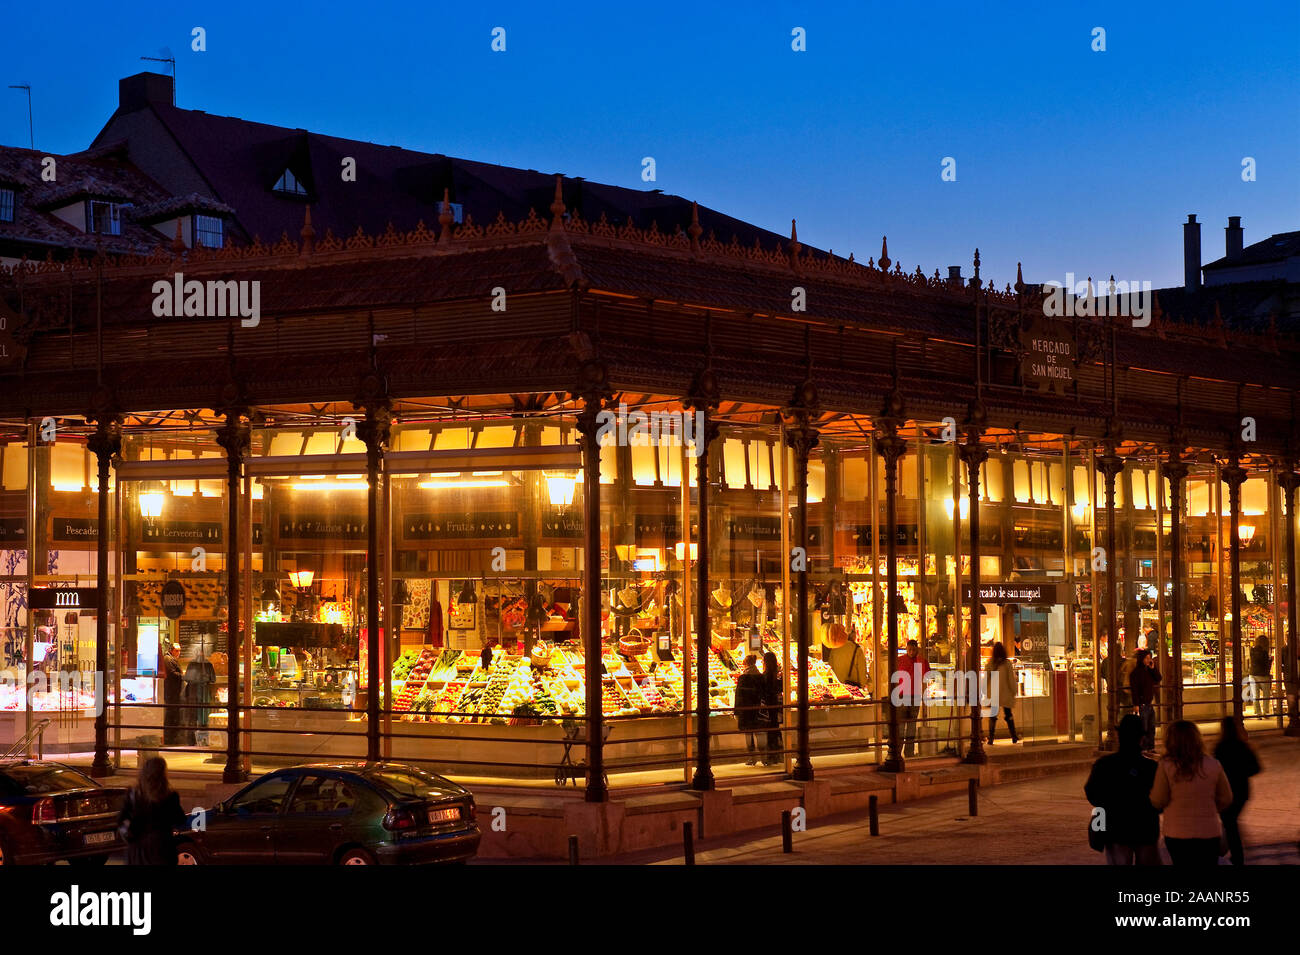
<point x="240" y="161"/>
<point x="103" y="174"/>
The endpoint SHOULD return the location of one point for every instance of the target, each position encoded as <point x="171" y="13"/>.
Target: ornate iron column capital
<point x="593" y="390"/>
<point x="372" y="398"/>
<point x="1287" y="477"/>
<point x="106" y="440"/>
<point x="704" y="398"/>
<point x="800" y="417"/>
<point x="1232" y="473"/>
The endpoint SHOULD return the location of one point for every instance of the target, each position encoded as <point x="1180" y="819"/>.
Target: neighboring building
<point x="268" y="174"/>
<point x="55" y="205"/>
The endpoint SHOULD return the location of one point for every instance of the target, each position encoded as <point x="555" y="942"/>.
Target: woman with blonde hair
<point x="845" y="656"/>
<point x="1191" y="789"/>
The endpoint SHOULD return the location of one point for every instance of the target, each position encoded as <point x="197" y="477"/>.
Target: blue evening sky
<point x="1066" y="159"/>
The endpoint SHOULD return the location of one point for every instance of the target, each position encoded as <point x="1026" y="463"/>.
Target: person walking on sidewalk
<point x="1142" y="683"/>
<point x="1237" y="757"/>
<point x="1192" y="789"/>
<point x="749" y="703"/>
<point x="1120" y="787"/>
<point x="774" y="709"/>
<point x="150" y="817"/>
<point x="1002" y="691"/>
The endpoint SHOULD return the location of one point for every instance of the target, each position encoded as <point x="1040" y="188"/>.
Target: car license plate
<point x="99" y="838"/>
<point x="444" y="815"/>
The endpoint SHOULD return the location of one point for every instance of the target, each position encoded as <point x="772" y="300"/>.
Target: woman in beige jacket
<point x="1191" y="789"/>
<point x="1002" y="681"/>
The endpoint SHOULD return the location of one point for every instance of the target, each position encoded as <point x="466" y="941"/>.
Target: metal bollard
<point x="787" y="836"/>
<point x="972" y="790"/>
<point x="873" y="814"/>
<point x="688" y="842"/>
<point x="573" y="850"/>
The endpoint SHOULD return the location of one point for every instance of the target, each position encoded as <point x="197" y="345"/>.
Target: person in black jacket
<point x="1120" y="786"/>
<point x="149" y="819"/>
<point x="774" y="709"/>
<point x="1239" y="763"/>
<point x="172" y="685"/>
<point x="1142" y="683"/>
<point x="749" y="705"/>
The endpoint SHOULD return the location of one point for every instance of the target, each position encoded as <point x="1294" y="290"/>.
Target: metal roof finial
<point x="884" y="254"/>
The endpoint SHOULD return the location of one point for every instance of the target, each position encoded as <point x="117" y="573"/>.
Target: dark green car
<point x="337" y="814"/>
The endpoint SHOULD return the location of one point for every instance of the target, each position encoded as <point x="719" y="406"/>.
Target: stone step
<point x="1037" y="770"/>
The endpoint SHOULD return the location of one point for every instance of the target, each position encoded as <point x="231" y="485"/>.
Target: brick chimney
<point x="138" y="91"/>
<point x="954" y="275"/>
<point x="1234" y="237"/>
<point x="1191" y="253"/>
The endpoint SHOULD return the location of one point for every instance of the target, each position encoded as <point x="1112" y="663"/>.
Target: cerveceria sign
<point x="1013" y="592"/>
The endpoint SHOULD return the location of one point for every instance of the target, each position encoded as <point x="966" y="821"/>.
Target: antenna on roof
<point x="31" y="136"/>
<point x="166" y="56"/>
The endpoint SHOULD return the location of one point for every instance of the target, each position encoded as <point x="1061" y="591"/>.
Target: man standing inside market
<point x="172" y="683"/>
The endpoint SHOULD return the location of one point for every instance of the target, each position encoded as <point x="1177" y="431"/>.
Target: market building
<point x="625" y="453"/>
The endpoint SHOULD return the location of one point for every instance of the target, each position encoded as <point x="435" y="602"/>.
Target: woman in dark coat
<point x="749" y="706"/>
<point x="151" y="816"/>
<point x="773" y="708"/>
<point x="1239" y="763"/>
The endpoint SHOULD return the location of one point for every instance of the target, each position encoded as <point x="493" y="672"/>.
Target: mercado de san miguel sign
<point x="1013" y="592"/>
<point x="1050" y="356"/>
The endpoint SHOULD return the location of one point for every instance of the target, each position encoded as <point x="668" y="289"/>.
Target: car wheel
<point x="187" y="853"/>
<point x="356" y="857"/>
<point x="88" y="861"/>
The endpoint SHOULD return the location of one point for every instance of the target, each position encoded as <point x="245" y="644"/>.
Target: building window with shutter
<point x="6" y="205"/>
<point x="208" y="231"/>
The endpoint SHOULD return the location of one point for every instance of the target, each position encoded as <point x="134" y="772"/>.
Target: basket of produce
<point x="634" y="644"/>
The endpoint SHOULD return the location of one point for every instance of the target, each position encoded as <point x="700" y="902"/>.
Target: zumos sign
<point x="1013" y="592"/>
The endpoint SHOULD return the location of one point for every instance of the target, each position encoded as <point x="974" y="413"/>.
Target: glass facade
<point x="480" y="550"/>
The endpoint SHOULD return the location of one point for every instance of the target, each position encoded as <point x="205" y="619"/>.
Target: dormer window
<point x="103" y="218"/>
<point x="289" y="184"/>
<point x="6" y="205"/>
<point x="209" y="231"/>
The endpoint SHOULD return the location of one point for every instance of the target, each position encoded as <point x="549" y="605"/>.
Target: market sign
<point x="564" y="526"/>
<point x="493" y="525"/>
<point x="181" y="532"/>
<point x="1013" y="592"/>
<point x="320" y="527"/>
<point x="1050" y="355"/>
<point x="63" y="598"/>
<point x="13" y="528"/>
<point x="173" y="599"/>
<point x="11" y="352"/>
<point x="75" y="528"/>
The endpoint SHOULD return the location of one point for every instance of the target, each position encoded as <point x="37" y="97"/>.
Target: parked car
<point x="381" y="813"/>
<point x="50" y="812"/>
